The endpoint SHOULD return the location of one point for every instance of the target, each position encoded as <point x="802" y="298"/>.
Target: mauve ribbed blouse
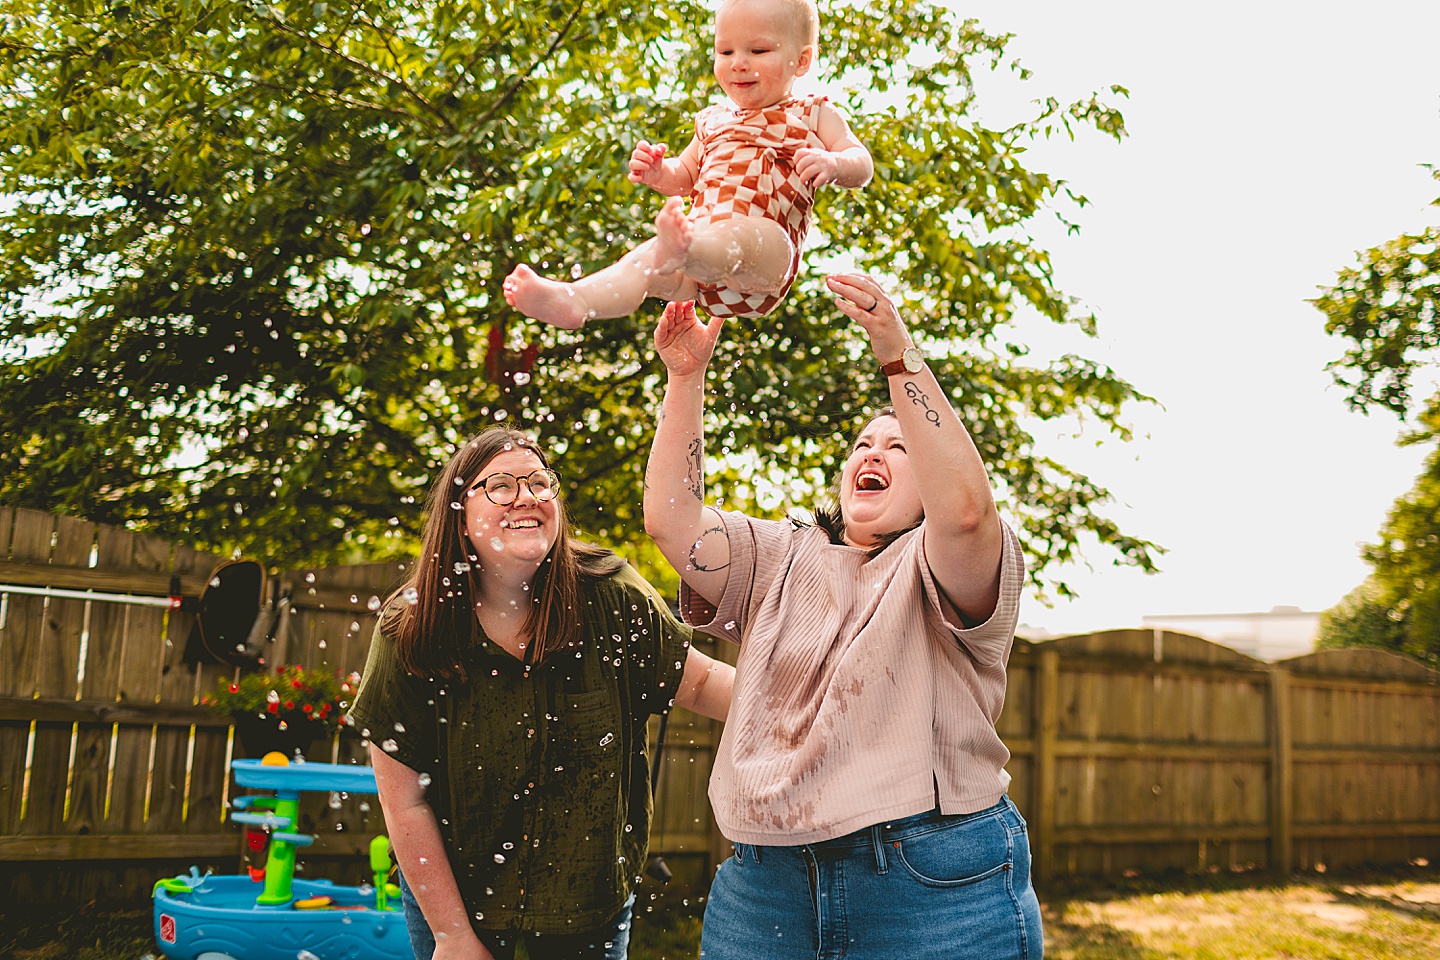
<point x="858" y="699"/>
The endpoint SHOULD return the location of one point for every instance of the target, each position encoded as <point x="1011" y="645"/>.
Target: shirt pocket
<point x="590" y="726"/>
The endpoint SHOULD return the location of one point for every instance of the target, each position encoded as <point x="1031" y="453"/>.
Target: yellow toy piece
<point x="314" y="903"/>
<point x="275" y="759"/>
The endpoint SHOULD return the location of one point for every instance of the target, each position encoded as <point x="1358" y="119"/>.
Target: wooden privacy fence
<point x="1131" y="750"/>
<point x="1147" y="750"/>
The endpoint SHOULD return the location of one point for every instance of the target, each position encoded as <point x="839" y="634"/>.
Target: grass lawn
<point x="1395" y="916"/>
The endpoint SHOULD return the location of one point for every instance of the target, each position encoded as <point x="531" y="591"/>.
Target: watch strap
<point x="893" y="367"/>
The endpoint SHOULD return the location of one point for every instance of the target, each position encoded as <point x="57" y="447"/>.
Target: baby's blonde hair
<point x="802" y="16"/>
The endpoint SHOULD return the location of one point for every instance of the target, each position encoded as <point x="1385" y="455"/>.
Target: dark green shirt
<point x="541" y="778"/>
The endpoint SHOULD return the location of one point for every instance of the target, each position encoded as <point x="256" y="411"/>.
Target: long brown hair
<point x="831" y="518"/>
<point x="432" y="616"/>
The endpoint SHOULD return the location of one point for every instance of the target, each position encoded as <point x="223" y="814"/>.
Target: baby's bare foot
<point x="542" y="299"/>
<point x="673" y="233"/>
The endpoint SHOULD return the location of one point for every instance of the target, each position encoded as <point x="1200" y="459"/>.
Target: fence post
<point x="1046" y="724"/>
<point x="1282" y="802"/>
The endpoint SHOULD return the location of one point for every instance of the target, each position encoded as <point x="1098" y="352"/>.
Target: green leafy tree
<point x="1364" y="619"/>
<point x="254" y="254"/>
<point x="1388" y="307"/>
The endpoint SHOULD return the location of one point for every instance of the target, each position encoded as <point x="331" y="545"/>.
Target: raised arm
<point x="673" y="177"/>
<point x="691" y="535"/>
<point x="844" y="162"/>
<point x="962" y="529"/>
<point x="420" y="850"/>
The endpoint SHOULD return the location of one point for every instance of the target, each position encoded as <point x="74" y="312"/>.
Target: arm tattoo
<point x="922" y="401"/>
<point x="695" y="547"/>
<point x="695" y="475"/>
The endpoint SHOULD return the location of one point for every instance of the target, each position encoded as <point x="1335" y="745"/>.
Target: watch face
<point x="913" y="359"/>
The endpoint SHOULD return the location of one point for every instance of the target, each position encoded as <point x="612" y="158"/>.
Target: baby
<point x="750" y="172"/>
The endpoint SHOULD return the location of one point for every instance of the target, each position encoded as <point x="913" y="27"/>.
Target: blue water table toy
<point x="267" y="914"/>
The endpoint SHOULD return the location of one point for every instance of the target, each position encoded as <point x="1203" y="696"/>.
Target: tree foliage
<point x="254" y="252"/>
<point x="1364" y="619"/>
<point x="1389" y="308"/>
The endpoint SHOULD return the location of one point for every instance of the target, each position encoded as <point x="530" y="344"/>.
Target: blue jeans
<point x="926" y="887"/>
<point x="610" y="941"/>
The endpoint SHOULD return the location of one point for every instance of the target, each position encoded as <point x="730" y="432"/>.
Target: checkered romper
<point x="747" y="159"/>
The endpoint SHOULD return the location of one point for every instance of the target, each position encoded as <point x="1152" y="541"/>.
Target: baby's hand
<point x="647" y="162"/>
<point x="816" y="167"/>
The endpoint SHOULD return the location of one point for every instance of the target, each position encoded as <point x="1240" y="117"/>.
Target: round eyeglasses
<point x="503" y="488"/>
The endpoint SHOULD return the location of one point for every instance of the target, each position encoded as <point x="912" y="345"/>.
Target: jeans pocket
<point x="963" y="852"/>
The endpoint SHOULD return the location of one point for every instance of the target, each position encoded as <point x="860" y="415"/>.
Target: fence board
<point x="61" y="636"/>
<point x="179" y="682"/>
<point x="24" y="614"/>
<point x="65" y="619"/>
<point x="14" y="737"/>
<point x="142" y="658"/>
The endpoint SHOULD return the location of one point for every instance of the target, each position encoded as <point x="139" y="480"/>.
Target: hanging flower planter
<point x="286" y="711"/>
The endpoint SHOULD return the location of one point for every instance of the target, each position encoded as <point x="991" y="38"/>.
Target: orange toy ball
<point x="275" y="759"/>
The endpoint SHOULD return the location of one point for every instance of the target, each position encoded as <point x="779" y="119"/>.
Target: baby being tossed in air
<point x="750" y="172"/>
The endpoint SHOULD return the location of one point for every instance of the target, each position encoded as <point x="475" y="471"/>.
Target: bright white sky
<point x="1268" y="143"/>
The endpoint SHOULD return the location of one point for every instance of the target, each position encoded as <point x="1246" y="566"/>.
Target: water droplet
<point x="399" y="727"/>
<point x="496" y="545"/>
<point x="461" y="566"/>
<point x="389" y="746"/>
<point x="272" y="697"/>
<point x="499" y="858"/>
<point x="373" y="604"/>
<point x="607" y="739"/>
<point x="423" y="779"/>
<point x="411" y="595"/>
<point x="334" y="800"/>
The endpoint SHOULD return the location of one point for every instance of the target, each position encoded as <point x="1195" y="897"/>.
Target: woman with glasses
<point x="505" y="701"/>
<point x="859" y="776"/>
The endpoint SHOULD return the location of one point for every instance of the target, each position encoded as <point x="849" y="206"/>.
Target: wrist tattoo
<point x="695" y="564"/>
<point x="922" y="401"/>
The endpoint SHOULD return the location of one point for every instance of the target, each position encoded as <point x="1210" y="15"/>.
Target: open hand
<point x="861" y="299"/>
<point x="684" y="343"/>
<point x="647" y="162"/>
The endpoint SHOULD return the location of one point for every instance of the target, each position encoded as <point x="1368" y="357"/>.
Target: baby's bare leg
<point x="651" y="269"/>
<point x="748" y="254"/>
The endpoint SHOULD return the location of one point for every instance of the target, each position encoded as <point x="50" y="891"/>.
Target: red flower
<point x="309" y="709"/>
<point x="273" y="707"/>
<point x="289" y="704"/>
